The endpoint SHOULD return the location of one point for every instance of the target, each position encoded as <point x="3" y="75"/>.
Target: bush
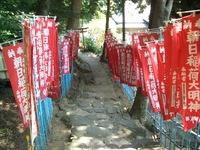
<point x="90" y="46"/>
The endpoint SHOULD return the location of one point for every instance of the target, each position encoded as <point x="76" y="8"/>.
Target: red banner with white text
<point x="14" y="59"/>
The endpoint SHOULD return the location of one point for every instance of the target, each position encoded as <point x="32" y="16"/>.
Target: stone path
<point x="96" y="118"/>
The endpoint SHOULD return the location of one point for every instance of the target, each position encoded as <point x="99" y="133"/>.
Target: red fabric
<point x="48" y="30"/>
<point x="189" y="71"/>
<point x="130" y="74"/>
<point x="108" y="48"/>
<point x="122" y="64"/>
<point x="152" y="37"/>
<point x="75" y="44"/>
<point x="147" y="37"/>
<point x="34" y="64"/>
<point x="41" y="58"/>
<point x="190" y="66"/>
<point x="28" y="51"/>
<point x="152" y="49"/>
<point x="143" y="38"/>
<point x="162" y="80"/>
<point x="14" y="59"/>
<point x="149" y="80"/>
<point x="107" y="40"/>
<point x="54" y="89"/>
<point x="189" y="122"/>
<point x="110" y="43"/>
<point x="108" y="36"/>
<point x="168" y="53"/>
<point x="139" y="68"/>
<point x="66" y="56"/>
<point x="136" y="60"/>
<point x="174" y="103"/>
<point x="115" y="60"/>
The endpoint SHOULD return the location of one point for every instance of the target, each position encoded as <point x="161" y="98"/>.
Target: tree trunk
<point x="103" y="55"/>
<point x="123" y="21"/>
<point x="73" y="21"/>
<point x="139" y="108"/>
<point x="160" y="11"/>
<point x="43" y="7"/>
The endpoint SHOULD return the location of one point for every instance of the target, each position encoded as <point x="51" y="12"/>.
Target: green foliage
<point x="10" y="12"/>
<point x="91" y="9"/>
<point x="184" y="5"/>
<point x="90" y="46"/>
<point x="10" y="27"/>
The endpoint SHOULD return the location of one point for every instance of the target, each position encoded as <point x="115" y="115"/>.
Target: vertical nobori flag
<point x="28" y="52"/>
<point x="110" y="43"/>
<point x="40" y="55"/>
<point x="117" y="59"/>
<point x="14" y="58"/>
<point x="75" y="44"/>
<point x="136" y="59"/>
<point x="122" y="64"/>
<point x="114" y="56"/>
<point x="107" y="44"/>
<point x="173" y="80"/>
<point x="150" y="80"/>
<point x="130" y="73"/>
<point x="161" y="64"/>
<point x="189" y="66"/>
<point x="66" y="56"/>
<point x="168" y="53"/>
<point x="48" y="42"/>
<point x="108" y="47"/>
<point x="54" y="88"/>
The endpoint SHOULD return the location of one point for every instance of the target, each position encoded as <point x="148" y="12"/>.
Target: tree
<point x="42" y="7"/>
<point x="160" y="11"/>
<point x="73" y="21"/>
<point x="123" y="21"/>
<point x="102" y="59"/>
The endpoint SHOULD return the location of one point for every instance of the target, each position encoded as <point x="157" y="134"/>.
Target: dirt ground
<point x="12" y="135"/>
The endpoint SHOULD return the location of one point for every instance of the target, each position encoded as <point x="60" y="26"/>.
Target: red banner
<point x="75" y="44"/>
<point x="168" y="52"/>
<point x="130" y="73"/>
<point x="14" y="58"/>
<point x="161" y="61"/>
<point x="149" y="80"/>
<point x="28" y="51"/>
<point x="54" y="88"/>
<point x="115" y="60"/>
<point x="35" y="65"/>
<point x="122" y="64"/>
<point x="39" y="43"/>
<point x="147" y="37"/>
<point x="189" y="70"/>
<point x="190" y="66"/>
<point x="136" y="60"/>
<point x="66" y="56"/>
<point x="49" y="45"/>
<point x="110" y="43"/>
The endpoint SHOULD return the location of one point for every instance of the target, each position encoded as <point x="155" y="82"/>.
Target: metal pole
<point x="123" y="21"/>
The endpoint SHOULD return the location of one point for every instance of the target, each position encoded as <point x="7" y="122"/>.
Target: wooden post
<point x="82" y="31"/>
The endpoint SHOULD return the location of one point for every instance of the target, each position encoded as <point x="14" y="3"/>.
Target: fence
<point x="170" y="133"/>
